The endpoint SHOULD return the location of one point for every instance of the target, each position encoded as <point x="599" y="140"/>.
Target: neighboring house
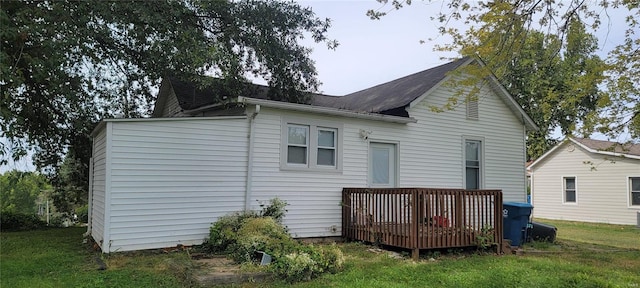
<point x="588" y="180"/>
<point x="162" y="181"/>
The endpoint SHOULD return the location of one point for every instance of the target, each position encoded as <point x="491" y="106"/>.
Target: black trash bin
<point x="542" y="232"/>
<point x="516" y="217"/>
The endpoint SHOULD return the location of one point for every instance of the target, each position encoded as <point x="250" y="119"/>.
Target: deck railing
<point x="423" y="218"/>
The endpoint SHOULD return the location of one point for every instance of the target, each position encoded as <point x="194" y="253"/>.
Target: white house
<point x="588" y="180"/>
<point x="162" y="181"/>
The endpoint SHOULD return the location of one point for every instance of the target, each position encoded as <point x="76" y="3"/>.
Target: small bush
<point x="11" y="221"/>
<point x="59" y="220"/>
<point x="275" y="209"/>
<point x="297" y="266"/>
<point x="309" y="262"/>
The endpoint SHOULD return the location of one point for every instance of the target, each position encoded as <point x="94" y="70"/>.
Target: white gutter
<point x="326" y="110"/>
<point x="104" y="121"/>
<point x="249" y="180"/>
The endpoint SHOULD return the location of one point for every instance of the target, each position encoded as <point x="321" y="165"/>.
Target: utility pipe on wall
<point x="249" y="180"/>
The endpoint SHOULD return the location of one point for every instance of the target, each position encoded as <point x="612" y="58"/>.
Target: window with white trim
<point x="634" y="191"/>
<point x="326" y="146"/>
<point x="297" y="144"/>
<point x="310" y="146"/>
<point x="473" y="164"/>
<point x="569" y="189"/>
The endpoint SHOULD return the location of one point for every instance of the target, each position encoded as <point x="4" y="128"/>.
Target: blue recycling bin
<point x="516" y="218"/>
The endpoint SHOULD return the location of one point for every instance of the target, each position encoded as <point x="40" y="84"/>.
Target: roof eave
<point x="569" y="139"/>
<point x="545" y="155"/>
<point x="608" y="153"/>
<point x="326" y="110"/>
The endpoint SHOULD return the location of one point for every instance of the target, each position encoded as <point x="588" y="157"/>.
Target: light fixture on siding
<point x="364" y="134"/>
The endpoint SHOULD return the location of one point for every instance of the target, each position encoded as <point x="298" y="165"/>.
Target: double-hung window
<point x="473" y="165"/>
<point x="326" y="147"/>
<point x="569" y="187"/>
<point x="297" y="144"/>
<point x="310" y="146"/>
<point x="634" y="191"/>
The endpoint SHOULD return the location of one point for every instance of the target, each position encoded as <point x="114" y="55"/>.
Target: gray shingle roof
<point x="609" y="146"/>
<point x="387" y="98"/>
<point x="397" y="93"/>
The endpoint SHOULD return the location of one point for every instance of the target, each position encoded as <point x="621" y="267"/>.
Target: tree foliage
<point x="67" y="64"/>
<point x="20" y="190"/>
<point x="506" y="33"/>
<point x="558" y="92"/>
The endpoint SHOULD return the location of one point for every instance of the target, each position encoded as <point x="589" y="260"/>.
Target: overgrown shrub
<point x="261" y="234"/>
<point x="275" y="209"/>
<point x="242" y="234"/>
<point x="222" y="233"/>
<point x="11" y="221"/>
<point x="309" y="262"/>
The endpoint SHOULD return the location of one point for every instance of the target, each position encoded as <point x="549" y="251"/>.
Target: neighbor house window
<point x="473" y="158"/>
<point x="634" y="191"/>
<point x="309" y="145"/>
<point x="569" y="189"/>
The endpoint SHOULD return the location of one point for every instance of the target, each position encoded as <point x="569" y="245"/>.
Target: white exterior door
<point x="382" y="165"/>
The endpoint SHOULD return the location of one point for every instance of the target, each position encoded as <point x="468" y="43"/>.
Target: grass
<point x="585" y="255"/>
<point x="57" y="258"/>
<point x="621" y="236"/>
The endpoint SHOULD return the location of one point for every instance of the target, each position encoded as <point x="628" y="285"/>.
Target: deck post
<point x="415" y="230"/>
<point x="415" y="254"/>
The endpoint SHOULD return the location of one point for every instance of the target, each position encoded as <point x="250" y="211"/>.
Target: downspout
<point x="249" y="180"/>
<point x="526" y="181"/>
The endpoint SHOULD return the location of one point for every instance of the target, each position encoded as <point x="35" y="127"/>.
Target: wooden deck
<point x="422" y="218"/>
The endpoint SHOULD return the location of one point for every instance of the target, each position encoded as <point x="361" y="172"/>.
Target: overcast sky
<point x="377" y="51"/>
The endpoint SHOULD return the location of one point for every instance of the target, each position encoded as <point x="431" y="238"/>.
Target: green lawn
<point x="621" y="236"/>
<point x="57" y="258"/>
<point x="585" y="255"/>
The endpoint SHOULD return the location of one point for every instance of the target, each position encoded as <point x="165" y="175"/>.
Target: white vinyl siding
<point x="171" y="179"/>
<point x="171" y="107"/>
<point x="602" y="186"/>
<point x="432" y="156"/>
<point x="98" y="186"/>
